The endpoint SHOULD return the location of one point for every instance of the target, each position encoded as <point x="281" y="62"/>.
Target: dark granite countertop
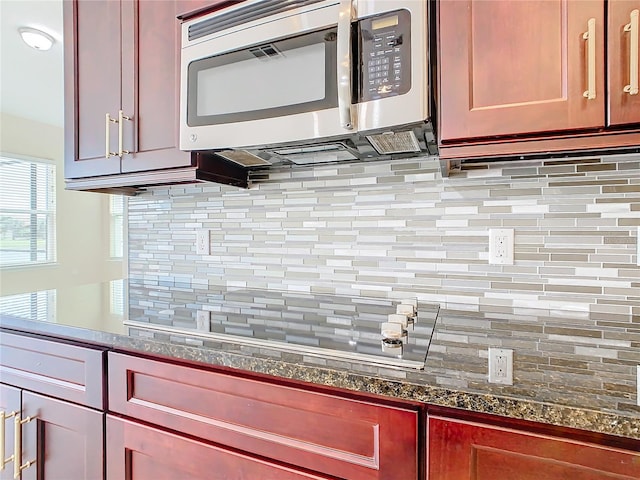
<point x="577" y="371"/>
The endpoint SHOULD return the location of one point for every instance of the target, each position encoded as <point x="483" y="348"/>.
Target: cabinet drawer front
<point x="59" y="370"/>
<point x="333" y="435"/>
<point x="466" y="450"/>
<point x="139" y="452"/>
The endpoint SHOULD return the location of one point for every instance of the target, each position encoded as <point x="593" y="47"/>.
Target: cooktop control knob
<point x="410" y="309"/>
<point x="399" y="318"/>
<point x="392" y="330"/>
<point x="393" y="347"/>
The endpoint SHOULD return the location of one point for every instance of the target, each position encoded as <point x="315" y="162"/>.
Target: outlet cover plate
<point x="638" y="250"/>
<point x="501" y="366"/>
<point x="501" y="244"/>
<point x="203" y="320"/>
<point x="202" y="242"/>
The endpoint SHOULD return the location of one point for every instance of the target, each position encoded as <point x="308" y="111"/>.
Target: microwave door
<point x="279" y="78"/>
<point x="273" y="91"/>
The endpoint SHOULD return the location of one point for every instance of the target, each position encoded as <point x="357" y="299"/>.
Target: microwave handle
<point x="344" y="63"/>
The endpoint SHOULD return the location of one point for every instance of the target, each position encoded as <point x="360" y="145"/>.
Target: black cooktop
<point x="320" y="325"/>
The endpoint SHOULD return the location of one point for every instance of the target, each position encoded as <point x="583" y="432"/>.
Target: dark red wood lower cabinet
<point x="60" y="440"/>
<point x="319" y="432"/>
<point x="140" y="452"/>
<point x="64" y="439"/>
<point x="460" y="450"/>
<point x="60" y="370"/>
<point x="10" y="402"/>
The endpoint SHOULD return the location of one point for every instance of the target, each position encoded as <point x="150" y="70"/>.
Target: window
<point x="116" y="297"/>
<point x="27" y="211"/>
<point x="116" y="214"/>
<point x="39" y="306"/>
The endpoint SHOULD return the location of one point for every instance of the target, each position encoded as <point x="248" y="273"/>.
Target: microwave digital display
<point x="379" y="23"/>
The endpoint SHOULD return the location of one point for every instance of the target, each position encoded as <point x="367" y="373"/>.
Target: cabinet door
<point x="464" y="450"/>
<point x="139" y="452"/>
<point x="10" y="402"/>
<point x="65" y="440"/>
<point x="151" y="84"/>
<point x="337" y="436"/>
<point x="521" y="67"/>
<point x="92" y="86"/>
<point x="624" y="107"/>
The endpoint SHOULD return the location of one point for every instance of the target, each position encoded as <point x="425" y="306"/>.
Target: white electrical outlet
<point x="203" y="320"/>
<point x="501" y="366"/>
<point x="202" y="242"/>
<point x="638" y="248"/>
<point x="638" y="386"/>
<point x="501" y="246"/>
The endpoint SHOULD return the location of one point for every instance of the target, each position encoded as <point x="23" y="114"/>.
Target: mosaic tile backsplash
<point x="389" y="228"/>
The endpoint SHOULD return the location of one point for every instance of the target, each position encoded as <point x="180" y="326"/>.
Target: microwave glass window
<point x="279" y="78"/>
<point x="269" y="80"/>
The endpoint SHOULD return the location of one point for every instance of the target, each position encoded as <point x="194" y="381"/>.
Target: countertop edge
<point x="626" y="426"/>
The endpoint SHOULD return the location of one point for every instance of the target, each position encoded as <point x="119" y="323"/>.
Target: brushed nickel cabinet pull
<point x="590" y="37"/>
<point x="344" y="64"/>
<point x="107" y="136"/>
<point x="121" y="118"/>
<point x="3" y="418"/>
<point x="632" y="28"/>
<point x="18" y="466"/>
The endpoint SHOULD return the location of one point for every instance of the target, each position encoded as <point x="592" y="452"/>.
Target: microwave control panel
<point x="385" y="42"/>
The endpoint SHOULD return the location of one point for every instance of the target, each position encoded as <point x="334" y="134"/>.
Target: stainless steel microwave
<point x="307" y="81"/>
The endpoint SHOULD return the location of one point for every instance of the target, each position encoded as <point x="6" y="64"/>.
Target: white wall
<point x="82" y="224"/>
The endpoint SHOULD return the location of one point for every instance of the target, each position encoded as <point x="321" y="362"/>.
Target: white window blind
<point x="116" y="295"/>
<point x="31" y="306"/>
<point x="117" y="205"/>
<point x="27" y="211"/>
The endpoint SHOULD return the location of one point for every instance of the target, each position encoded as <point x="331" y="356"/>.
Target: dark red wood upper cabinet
<point x="151" y="83"/>
<point x="509" y="68"/>
<point x="92" y="71"/>
<point x="459" y="450"/>
<point x="122" y="56"/>
<point x="624" y="105"/>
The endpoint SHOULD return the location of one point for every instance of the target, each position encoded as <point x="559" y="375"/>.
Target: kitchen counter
<point x="576" y="371"/>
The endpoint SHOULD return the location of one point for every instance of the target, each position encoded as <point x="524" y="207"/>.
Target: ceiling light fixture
<point x="36" y="39"/>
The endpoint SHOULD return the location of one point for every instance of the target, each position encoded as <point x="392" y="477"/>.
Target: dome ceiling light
<point x="36" y="39"/>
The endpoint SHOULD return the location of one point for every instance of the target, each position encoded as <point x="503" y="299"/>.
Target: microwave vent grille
<point x="244" y="158"/>
<point x="242" y="15"/>
<point x="394" y="142"/>
<point x="264" y="52"/>
<point x="312" y="154"/>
